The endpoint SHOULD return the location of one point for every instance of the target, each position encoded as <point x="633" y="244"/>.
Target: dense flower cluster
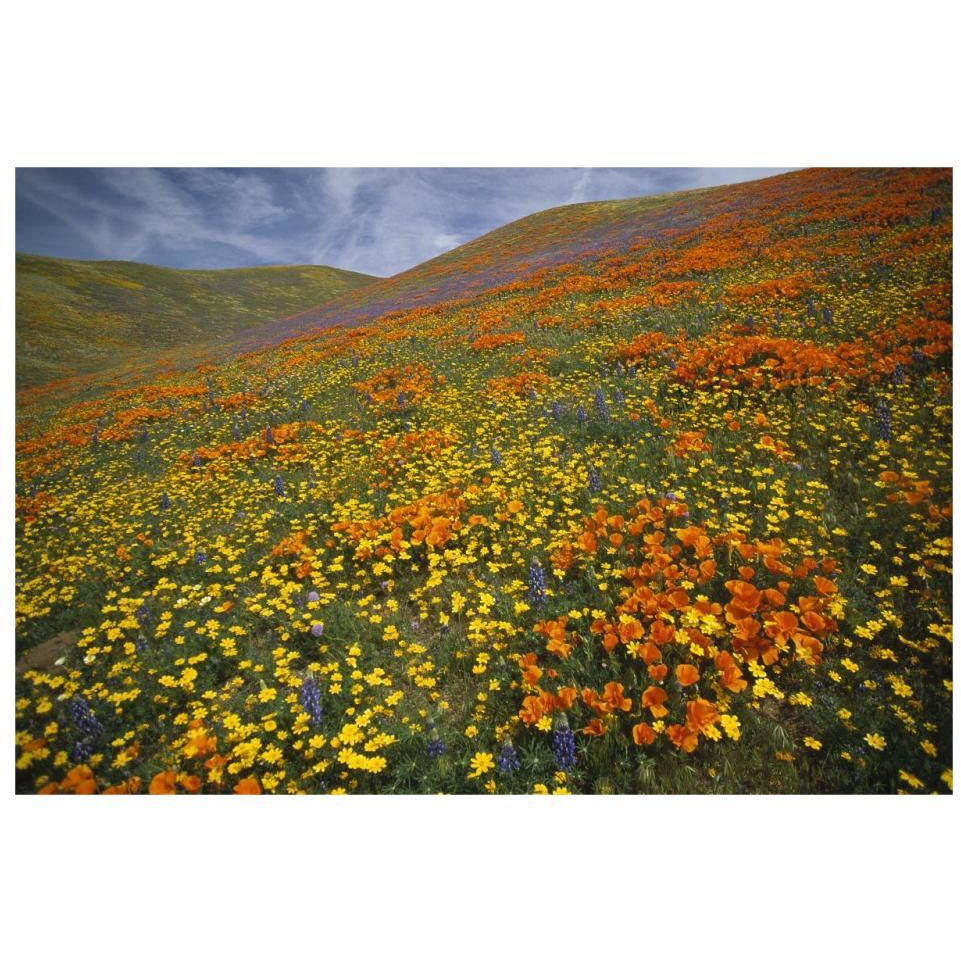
<point x="641" y="496"/>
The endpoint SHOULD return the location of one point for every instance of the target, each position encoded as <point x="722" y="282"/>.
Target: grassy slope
<point x="78" y="316"/>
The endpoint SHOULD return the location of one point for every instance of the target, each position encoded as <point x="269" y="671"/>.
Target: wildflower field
<point x="641" y="496"/>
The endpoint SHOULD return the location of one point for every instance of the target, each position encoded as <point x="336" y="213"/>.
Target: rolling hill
<point x="76" y="317"/>
<point x="628" y="241"/>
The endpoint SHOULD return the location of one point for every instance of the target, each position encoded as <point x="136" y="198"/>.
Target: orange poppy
<point x="595" y="728"/>
<point x="653" y="699"/>
<point x="79" y="780"/>
<point x="163" y="783"/>
<point x="731" y="676"/>
<point x="662" y="633"/>
<point x="643" y="734"/>
<point x="657" y="672"/>
<point x="614" y="695"/>
<point x="247" y="785"/>
<point x="682" y="738"/>
<point x="687" y="674"/>
<point x="701" y="714"/>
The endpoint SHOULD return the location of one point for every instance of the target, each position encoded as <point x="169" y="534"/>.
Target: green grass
<point x="76" y="317"/>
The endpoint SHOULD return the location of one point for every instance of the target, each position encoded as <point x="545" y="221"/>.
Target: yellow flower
<point x="731" y="725"/>
<point x="480" y="764"/>
<point x="876" y="741"/>
<point x="911" y="780"/>
<point x="812" y="743"/>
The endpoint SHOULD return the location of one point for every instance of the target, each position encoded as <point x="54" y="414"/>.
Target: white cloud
<point x="378" y="221"/>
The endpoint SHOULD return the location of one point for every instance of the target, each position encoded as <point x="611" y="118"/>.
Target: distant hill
<point x="76" y="317"/>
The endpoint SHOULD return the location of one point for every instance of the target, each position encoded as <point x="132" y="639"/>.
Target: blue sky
<point x="375" y="220"/>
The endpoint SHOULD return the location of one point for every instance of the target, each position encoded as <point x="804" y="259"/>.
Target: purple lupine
<point x="310" y="699"/>
<point x="882" y="416"/>
<point x="600" y="405"/>
<point x="317" y="629"/>
<point x="269" y="435"/>
<point x="536" y="584"/>
<point x="581" y="414"/>
<point x="279" y="489"/>
<point x="496" y="457"/>
<point x="508" y="761"/>
<point x="556" y="410"/>
<point x="165" y="502"/>
<point x="565" y="747"/>
<point x="435" y="747"/>
<point x="84" y="719"/>
<point x="593" y="480"/>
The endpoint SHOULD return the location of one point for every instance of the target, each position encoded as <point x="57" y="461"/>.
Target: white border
<point x="537" y="84"/>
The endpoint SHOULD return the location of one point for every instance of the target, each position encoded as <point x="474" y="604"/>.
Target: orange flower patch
<point x="493" y="341"/>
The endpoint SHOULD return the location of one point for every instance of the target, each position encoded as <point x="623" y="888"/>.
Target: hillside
<point x="545" y="243"/>
<point x="646" y="496"/>
<point x="81" y="316"/>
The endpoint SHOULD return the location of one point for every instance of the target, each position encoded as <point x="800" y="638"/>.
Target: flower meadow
<point x="632" y="497"/>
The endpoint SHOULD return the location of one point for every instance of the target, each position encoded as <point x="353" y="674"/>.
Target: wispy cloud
<point x="375" y="220"/>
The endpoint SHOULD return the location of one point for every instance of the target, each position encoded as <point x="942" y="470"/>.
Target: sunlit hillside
<point x="641" y="496"/>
